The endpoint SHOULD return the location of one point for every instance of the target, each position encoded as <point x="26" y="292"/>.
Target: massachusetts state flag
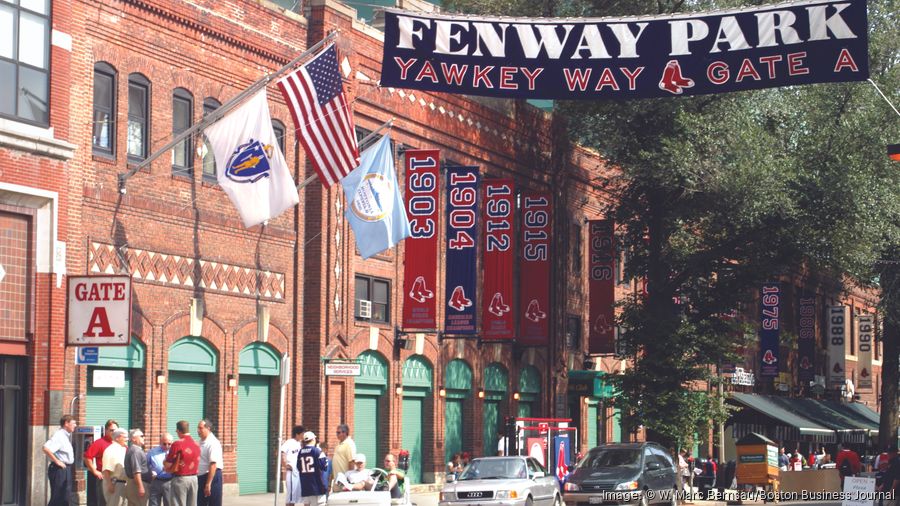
<point x="375" y="211"/>
<point x="250" y="166"/>
<point x="315" y="95"/>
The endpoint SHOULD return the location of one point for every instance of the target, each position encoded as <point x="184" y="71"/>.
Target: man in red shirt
<point x="93" y="459"/>
<point x="852" y="467"/>
<point x="182" y="461"/>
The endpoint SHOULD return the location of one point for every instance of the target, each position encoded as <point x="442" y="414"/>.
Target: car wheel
<point x="557" y="501"/>
<point x="529" y="501"/>
<point x="645" y="501"/>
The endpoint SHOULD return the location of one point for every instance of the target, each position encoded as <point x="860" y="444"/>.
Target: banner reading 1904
<point x="462" y="241"/>
<point x="625" y="58"/>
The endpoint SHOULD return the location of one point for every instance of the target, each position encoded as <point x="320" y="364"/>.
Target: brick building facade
<point x="216" y="305"/>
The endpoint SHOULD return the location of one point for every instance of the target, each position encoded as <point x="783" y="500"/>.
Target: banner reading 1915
<point x="420" y="265"/>
<point x="534" y="326"/>
<point x="624" y="58"/>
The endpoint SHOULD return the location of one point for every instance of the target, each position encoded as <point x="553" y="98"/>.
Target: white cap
<point x="308" y="436"/>
<point x="359" y="458"/>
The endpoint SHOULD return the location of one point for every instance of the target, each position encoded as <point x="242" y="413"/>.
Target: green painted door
<point x="102" y="404"/>
<point x="491" y="427"/>
<point x="186" y="400"/>
<point x="524" y="410"/>
<point x="617" y="428"/>
<point x="365" y="429"/>
<point x="253" y="434"/>
<point x="593" y="413"/>
<point x="412" y="436"/>
<point x="453" y="435"/>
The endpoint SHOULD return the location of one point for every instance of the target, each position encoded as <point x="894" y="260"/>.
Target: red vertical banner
<point x="534" y="327"/>
<point x="498" y="259"/>
<point x="420" y="264"/>
<point x="602" y="285"/>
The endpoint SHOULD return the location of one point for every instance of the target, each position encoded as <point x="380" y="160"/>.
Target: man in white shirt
<point x="360" y="478"/>
<point x="114" y="475"/>
<point x="501" y="445"/>
<point x="289" y="452"/>
<point x="61" y="454"/>
<point x="209" y="470"/>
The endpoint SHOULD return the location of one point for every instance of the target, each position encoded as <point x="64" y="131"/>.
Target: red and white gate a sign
<point x="98" y="311"/>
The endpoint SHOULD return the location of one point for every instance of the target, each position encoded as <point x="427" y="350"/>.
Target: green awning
<point x="824" y="413"/>
<point x="859" y="412"/>
<point x="769" y="407"/>
<point x="588" y="384"/>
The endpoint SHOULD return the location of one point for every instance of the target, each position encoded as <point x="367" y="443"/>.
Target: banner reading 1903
<point x="462" y="239"/>
<point x="420" y="264"/>
<point x="625" y="58"/>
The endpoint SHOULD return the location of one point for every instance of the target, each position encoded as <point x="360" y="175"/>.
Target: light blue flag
<point x="376" y="211"/>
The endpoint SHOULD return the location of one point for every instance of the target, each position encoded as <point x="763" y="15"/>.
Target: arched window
<point x="209" y="158"/>
<point x="182" y="119"/>
<point x="103" y="133"/>
<point x="138" y="116"/>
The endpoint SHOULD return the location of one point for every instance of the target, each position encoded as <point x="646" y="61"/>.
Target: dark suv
<point x="626" y="473"/>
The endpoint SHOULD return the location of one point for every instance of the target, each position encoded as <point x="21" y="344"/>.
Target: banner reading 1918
<point x="462" y="237"/>
<point x="534" y="327"/>
<point x="770" y="302"/>
<point x="602" y="286"/>
<point x="499" y="256"/>
<point x="806" y="342"/>
<point x="420" y="264"/>
<point x="625" y="58"/>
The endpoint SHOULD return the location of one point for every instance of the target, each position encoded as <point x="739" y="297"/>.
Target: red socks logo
<point x="769" y="358"/>
<point x="805" y="363"/>
<point x="534" y="312"/>
<point x="837" y="368"/>
<point x="672" y="80"/>
<point x="458" y="300"/>
<point x="601" y="326"/>
<point x="419" y="291"/>
<point x="497" y="306"/>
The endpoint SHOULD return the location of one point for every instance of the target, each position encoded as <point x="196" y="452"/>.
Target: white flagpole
<point x="389" y="124"/>
<point x="221" y="111"/>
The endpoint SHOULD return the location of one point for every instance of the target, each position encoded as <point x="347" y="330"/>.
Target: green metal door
<point x="186" y="400"/>
<point x="412" y="436"/>
<point x="365" y="429"/>
<point x="102" y="404"/>
<point x="253" y="434"/>
<point x="453" y="435"/>
<point x="491" y="427"/>
<point x="617" y="428"/>
<point x="525" y="410"/>
<point x="593" y="413"/>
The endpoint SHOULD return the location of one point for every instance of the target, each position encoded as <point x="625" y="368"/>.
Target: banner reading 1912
<point x="624" y="58"/>
<point x="499" y="256"/>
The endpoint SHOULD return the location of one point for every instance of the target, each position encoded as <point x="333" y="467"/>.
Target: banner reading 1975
<point x="462" y="239"/>
<point x="698" y="53"/>
<point x="420" y="264"/>
<point x="534" y="326"/>
<point x="769" y="323"/>
<point x="499" y="256"/>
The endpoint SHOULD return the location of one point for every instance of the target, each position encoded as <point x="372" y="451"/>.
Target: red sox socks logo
<point x="458" y="300"/>
<point x="672" y="80"/>
<point x="497" y="306"/>
<point x="804" y="364"/>
<point x="769" y="358"/>
<point x="837" y="368"/>
<point x="534" y="312"/>
<point x="600" y="326"/>
<point x="419" y="291"/>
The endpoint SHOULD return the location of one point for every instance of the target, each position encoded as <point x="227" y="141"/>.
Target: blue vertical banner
<point x="806" y="342"/>
<point x="561" y="459"/>
<point x="462" y="250"/>
<point x="769" y="322"/>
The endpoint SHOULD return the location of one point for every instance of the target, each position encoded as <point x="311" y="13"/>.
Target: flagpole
<point x="221" y="111"/>
<point x="389" y="124"/>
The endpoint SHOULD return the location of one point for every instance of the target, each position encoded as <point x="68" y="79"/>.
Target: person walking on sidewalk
<point x="847" y="462"/>
<point x="61" y="454"/>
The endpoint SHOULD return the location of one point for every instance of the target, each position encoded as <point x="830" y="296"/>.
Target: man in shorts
<point x="312" y="462"/>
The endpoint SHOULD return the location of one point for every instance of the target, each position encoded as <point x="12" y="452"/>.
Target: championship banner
<point x="462" y="237"/>
<point x="626" y="58"/>
<point x="865" y="328"/>
<point x="769" y="321"/>
<point x="806" y="342"/>
<point x="499" y="256"/>
<point x="534" y="327"/>
<point x="836" y="332"/>
<point x="602" y="287"/>
<point x="420" y="270"/>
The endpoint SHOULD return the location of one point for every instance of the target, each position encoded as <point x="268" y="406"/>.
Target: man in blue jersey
<point x="312" y="463"/>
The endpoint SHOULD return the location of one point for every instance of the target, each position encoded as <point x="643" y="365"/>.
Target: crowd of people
<point x="174" y="473"/>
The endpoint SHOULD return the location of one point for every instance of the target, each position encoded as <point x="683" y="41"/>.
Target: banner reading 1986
<point x="602" y="286"/>
<point x="806" y="343"/>
<point x="769" y="322"/>
<point x="697" y="53"/>
<point x="420" y="264"/>
<point x="499" y="256"/>
<point x="534" y="326"/>
<point x="462" y="237"/>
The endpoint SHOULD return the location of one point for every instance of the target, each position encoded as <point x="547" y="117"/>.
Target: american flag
<point x="315" y="95"/>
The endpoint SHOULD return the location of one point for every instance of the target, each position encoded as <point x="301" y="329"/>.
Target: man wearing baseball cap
<point x="312" y="463"/>
<point x="360" y="478"/>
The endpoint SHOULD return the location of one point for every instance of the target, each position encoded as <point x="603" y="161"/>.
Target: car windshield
<point x="494" y="469"/>
<point x="610" y="458"/>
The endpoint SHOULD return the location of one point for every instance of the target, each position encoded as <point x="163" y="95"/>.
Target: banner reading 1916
<point x="602" y="286"/>
<point x="770" y="303"/>
<point x="625" y="58"/>
<point x="534" y="326"/>
<point x="462" y="241"/>
<point x="420" y="264"/>
<point x="499" y="256"/>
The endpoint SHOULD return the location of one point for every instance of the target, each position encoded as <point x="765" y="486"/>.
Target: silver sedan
<point x="503" y="481"/>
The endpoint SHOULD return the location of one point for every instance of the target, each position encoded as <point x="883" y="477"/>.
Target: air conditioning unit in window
<point x="365" y="308"/>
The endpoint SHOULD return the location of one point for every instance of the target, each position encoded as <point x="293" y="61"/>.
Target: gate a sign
<point x="98" y="311"/>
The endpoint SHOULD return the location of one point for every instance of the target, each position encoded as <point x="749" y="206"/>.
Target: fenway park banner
<point x="499" y="256"/>
<point x="534" y="327"/>
<point x="602" y="286"/>
<point x="806" y="342"/>
<point x="769" y="328"/>
<point x="462" y="234"/>
<point x="624" y="58"/>
<point x="420" y="264"/>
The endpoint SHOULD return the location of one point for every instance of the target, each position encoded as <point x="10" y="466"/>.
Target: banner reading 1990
<point x="462" y="237"/>
<point x="625" y="58"/>
<point x="420" y="264"/>
<point x="534" y="326"/>
<point x="499" y="256"/>
<point x="769" y="322"/>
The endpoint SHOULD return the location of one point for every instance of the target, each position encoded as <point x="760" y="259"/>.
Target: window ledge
<point x="36" y="140"/>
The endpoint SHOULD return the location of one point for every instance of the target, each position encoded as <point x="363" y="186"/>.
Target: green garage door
<point x="186" y="400"/>
<point x="453" y="435"/>
<point x="412" y="437"/>
<point x="253" y="434"/>
<point x="458" y="385"/>
<point x="365" y="428"/>
<point x="496" y="378"/>
<point x="593" y="413"/>
<point x="491" y="427"/>
<point x="616" y="427"/>
<point x="102" y="404"/>
<point x="525" y="410"/>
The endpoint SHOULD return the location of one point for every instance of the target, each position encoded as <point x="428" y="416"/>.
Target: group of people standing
<point x="175" y="473"/>
<point x="310" y="475"/>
